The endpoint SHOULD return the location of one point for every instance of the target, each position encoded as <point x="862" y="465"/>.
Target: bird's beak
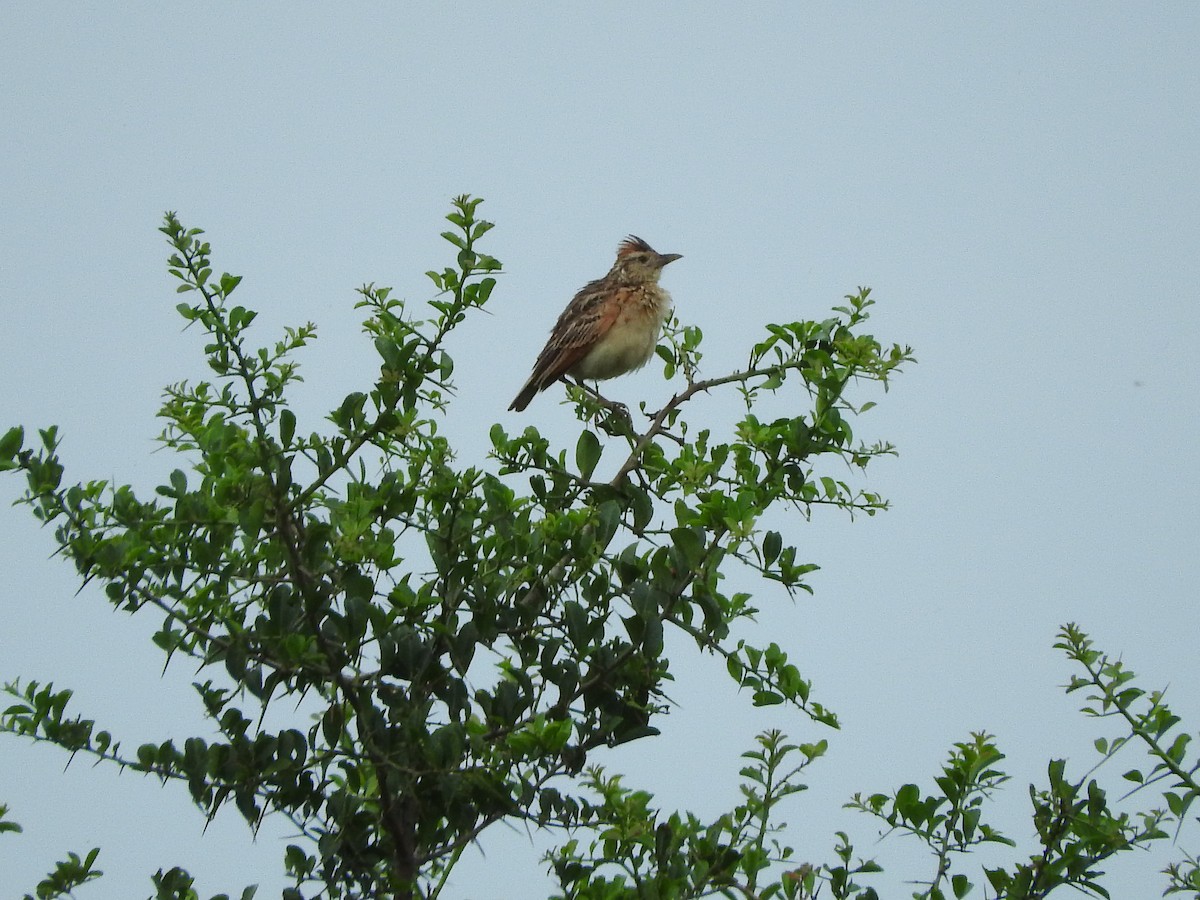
<point x="664" y="258"/>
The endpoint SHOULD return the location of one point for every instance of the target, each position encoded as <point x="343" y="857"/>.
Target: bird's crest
<point x="632" y="244"/>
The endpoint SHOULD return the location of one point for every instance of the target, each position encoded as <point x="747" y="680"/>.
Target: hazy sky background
<point x="1018" y="183"/>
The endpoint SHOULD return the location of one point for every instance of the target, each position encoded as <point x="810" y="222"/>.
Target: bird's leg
<point x="609" y="415"/>
<point x="613" y="406"/>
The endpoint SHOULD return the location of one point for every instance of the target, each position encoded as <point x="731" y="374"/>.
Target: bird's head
<point x="637" y="261"/>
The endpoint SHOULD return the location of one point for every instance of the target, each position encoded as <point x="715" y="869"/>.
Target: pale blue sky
<point x="1018" y="183"/>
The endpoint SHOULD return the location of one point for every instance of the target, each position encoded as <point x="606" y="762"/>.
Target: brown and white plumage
<point x="610" y="327"/>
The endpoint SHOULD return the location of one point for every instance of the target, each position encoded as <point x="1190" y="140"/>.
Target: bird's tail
<point x="527" y="393"/>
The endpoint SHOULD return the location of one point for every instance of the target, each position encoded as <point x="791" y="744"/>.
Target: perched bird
<point x="610" y="327"/>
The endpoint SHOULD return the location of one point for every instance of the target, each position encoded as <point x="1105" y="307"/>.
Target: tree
<point x="463" y="643"/>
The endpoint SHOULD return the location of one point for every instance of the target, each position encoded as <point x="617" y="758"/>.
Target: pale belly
<point x="628" y="345"/>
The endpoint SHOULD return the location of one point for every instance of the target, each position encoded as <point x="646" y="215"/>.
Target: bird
<point x="610" y="327"/>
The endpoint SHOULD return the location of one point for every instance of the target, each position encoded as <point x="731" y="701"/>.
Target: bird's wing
<point x="587" y="318"/>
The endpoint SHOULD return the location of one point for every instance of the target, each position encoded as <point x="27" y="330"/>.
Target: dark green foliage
<point x="466" y="642"/>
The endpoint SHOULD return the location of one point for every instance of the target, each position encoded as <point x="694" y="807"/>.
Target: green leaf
<point x="395" y="355"/>
<point x="689" y="544"/>
<point x="609" y="520"/>
<point x="229" y="283"/>
<point x="287" y="427"/>
<point x="907" y="798"/>
<point x="643" y="508"/>
<point x="998" y="878"/>
<point x="587" y="453"/>
<point x="11" y="443"/>
<point x="772" y="544"/>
